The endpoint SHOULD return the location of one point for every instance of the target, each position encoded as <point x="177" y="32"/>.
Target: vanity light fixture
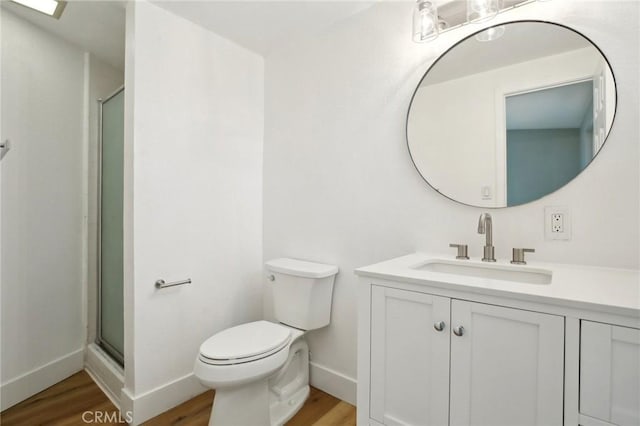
<point x="491" y="34"/>
<point x="482" y="10"/>
<point x="425" y="21"/>
<point x="51" y="8"/>
<point x="448" y="15"/>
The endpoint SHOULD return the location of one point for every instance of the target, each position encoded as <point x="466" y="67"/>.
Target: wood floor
<point x="65" y="403"/>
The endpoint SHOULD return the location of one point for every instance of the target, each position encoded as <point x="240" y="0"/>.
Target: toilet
<point x="260" y="370"/>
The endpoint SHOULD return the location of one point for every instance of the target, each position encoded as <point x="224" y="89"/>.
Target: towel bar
<point x="162" y="284"/>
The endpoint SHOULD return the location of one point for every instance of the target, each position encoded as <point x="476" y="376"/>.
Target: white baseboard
<point x="107" y="374"/>
<point x="333" y="382"/>
<point x="38" y="379"/>
<point x="156" y="401"/>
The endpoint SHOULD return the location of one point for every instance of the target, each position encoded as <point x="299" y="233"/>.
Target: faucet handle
<point x="462" y="251"/>
<point x="518" y="255"/>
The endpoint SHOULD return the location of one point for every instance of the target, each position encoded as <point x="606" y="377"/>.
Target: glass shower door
<point x="110" y="332"/>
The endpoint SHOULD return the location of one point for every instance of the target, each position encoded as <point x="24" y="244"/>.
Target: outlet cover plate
<point x="549" y="233"/>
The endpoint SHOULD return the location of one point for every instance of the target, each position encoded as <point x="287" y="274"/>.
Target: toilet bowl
<point x="260" y="370"/>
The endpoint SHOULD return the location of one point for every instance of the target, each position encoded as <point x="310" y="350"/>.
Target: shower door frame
<point x="103" y="344"/>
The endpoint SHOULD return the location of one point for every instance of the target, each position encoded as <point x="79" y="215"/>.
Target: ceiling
<point x="95" y="26"/>
<point x="260" y="26"/>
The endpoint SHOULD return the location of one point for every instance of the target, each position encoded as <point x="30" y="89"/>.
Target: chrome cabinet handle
<point x="271" y="277"/>
<point x="439" y="326"/>
<point x="458" y="331"/>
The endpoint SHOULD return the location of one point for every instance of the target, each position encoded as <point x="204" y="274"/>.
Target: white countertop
<point x="604" y="289"/>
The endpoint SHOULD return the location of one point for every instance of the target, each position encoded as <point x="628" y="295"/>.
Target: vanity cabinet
<point x="437" y="361"/>
<point x="446" y="342"/>
<point x="609" y="374"/>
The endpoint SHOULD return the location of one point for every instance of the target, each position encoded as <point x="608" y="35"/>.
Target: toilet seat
<point x="245" y="343"/>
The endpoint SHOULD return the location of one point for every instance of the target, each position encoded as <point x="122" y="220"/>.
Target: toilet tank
<point x="302" y="292"/>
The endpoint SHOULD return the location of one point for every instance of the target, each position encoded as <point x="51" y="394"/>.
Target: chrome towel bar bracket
<point x="162" y="284"/>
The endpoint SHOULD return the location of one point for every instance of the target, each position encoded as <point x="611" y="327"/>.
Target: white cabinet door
<point x="507" y="366"/>
<point x="409" y="358"/>
<point x="610" y="373"/>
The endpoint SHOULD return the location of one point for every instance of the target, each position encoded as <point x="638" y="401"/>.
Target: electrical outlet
<point x="557" y="223"/>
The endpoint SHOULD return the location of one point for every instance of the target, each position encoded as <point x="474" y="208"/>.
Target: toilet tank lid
<point x="301" y="268"/>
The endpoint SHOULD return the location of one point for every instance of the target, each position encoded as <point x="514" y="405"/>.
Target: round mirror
<point x="511" y="114"/>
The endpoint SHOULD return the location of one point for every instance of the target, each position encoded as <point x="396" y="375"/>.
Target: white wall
<point x="42" y="115"/>
<point x="340" y="187"/>
<point x="460" y="145"/>
<point x="194" y="131"/>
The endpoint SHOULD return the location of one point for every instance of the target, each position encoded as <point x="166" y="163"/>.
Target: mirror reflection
<point x="526" y="115"/>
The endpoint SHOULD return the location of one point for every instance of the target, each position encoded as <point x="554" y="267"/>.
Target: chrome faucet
<point x="485" y="226"/>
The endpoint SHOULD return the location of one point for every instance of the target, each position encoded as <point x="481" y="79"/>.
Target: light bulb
<point x="425" y="21"/>
<point x="482" y="10"/>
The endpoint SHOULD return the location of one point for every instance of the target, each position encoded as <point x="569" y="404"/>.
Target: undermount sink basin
<point x="514" y="273"/>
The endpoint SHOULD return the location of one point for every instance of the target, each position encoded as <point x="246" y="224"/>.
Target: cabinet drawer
<point x="610" y="373"/>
